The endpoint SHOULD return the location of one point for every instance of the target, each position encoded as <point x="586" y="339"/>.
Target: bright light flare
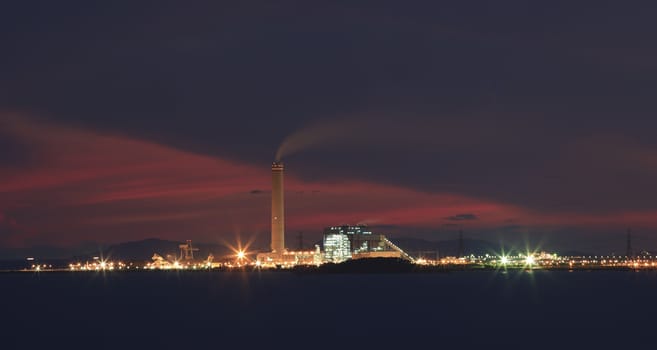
<point x="529" y="260"/>
<point x="240" y="250"/>
<point x="504" y="260"/>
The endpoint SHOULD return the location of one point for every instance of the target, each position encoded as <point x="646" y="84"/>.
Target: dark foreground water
<point x="278" y="310"/>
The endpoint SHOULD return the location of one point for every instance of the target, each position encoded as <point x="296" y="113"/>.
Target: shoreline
<point x="317" y="270"/>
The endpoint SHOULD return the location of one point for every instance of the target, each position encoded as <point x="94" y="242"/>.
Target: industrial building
<point x="360" y="237"/>
<point x="340" y="242"/>
<point x="360" y="242"/>
<point x="337" y="247"/>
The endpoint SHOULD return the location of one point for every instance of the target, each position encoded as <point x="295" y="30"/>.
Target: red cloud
<point x="86" y="186"/>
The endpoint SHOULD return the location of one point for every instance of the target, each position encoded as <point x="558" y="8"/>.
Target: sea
<point x="254" y="309"/>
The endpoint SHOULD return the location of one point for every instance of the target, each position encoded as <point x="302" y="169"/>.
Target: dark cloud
<point x="376" y="227"/>
<point x="281" y="66"/>
<point x="462" y="217"/>
<point x="14" y="152"/>
<point x="546" y="107"/>
<point x="511" y="159"/>
<point x="10" y="229"/>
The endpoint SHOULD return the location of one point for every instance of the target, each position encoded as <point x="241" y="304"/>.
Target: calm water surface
<point x="169" y="309"/>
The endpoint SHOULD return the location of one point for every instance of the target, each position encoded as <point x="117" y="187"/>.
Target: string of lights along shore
<point x="345" y="243"/>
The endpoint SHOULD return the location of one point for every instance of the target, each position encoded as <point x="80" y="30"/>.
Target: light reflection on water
<point x="440" y="306"/>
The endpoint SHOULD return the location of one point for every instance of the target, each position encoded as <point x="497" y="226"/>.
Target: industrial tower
<point x="277" y="209"/>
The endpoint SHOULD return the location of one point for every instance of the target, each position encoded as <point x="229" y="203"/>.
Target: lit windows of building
<point x="348" y="230"/>
<point x="337" y="247"/>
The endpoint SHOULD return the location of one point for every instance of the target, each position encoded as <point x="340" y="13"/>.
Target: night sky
<point x="125" y="120"/>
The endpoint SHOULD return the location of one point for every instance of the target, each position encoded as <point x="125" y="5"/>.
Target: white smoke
<point x="385" y="133"/>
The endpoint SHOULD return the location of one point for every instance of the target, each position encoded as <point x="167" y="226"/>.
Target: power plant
<point x="354" y="242"/>
<point x="350" y="245"/>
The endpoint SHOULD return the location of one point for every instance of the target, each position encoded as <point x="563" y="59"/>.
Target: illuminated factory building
<point x="340" y="242"/>
<point x="337" y="247"/>
<point x="355" y="242"/>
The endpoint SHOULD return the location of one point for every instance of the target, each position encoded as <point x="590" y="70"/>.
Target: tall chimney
<point x="277" y="208"/>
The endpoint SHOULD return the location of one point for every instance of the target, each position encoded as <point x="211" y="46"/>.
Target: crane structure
<point x="187" y="251"/>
